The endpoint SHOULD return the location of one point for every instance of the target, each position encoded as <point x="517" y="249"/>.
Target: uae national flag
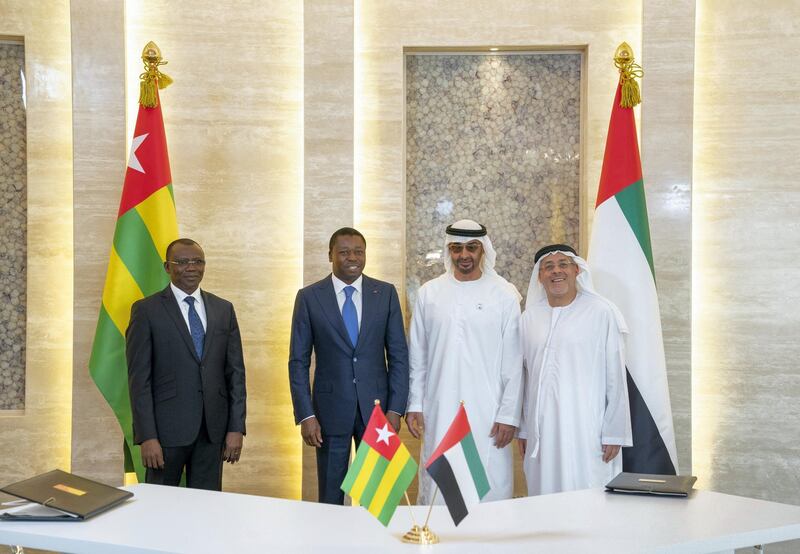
<point x="621" y="260"/>
<point x="382" y="470"/>
<point x="457" y="468"/>
<point x="146" y="224"/>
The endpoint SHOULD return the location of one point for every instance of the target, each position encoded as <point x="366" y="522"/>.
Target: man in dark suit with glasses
<point x="186" y="376"/>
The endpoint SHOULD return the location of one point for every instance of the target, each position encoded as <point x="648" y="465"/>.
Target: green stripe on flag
<point x="633" y="204"/>
<point x="136" y="249"/>
<point x="374" y="481"/>
<point x="355" y="467"/>
<point x="403" y="481"/>
<point x="475" y="465"/>
<point x="108" y="368"/>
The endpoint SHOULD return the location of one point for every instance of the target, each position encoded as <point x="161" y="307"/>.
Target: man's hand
<point x="610" y="452"/>
<point x="523" y="445"/>
<point x="502" y="434"/>
<point x="394" y="420"/>
<point x="233" y="447"/>
<point x="152" y="455"/>
<point x="311" y="432"/>
<point x="415" y="424"/>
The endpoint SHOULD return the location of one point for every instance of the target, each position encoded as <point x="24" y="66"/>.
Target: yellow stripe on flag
<point x="158" y="214"/>
<point x="364" y="474"/>
<point x="119" y="292"/>
<point x="390" y="476"/>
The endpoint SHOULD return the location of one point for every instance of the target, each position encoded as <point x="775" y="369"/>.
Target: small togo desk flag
<point x="457" y="469"/>
<point x="382" y="470"/>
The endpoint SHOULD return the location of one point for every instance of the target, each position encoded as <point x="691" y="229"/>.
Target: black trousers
<point x="333" y="458"/>
<point x="202" y="460"/>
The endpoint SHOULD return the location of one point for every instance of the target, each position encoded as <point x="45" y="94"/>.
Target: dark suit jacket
<point x="347" y="379"/>
<point x="170" y="387"/>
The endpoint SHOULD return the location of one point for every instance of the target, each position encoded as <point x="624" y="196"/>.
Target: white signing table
<point x="164" y="519"/>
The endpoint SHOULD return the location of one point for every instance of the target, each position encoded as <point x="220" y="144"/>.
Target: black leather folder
<point x="69" y="497"/>
<point x="648" y="483"/>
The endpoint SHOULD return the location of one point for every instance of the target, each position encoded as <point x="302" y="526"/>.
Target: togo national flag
<point x="382" y="469"/>
<point x="146" y="224"/>
<point x="621" y="260"/>
<point x="457" y="469"/>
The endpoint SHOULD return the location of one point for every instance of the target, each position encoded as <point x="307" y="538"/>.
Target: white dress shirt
<point x="184" y="306"/>
<point x="338" y="287"/>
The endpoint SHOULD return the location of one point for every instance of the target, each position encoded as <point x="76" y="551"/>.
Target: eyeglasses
<point x="563" y="265"/>
<point x="186" y="263"/>
<point x="457" y="248"/>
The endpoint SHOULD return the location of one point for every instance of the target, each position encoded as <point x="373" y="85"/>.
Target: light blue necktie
<point x="349" y="315"/>
<point x="195" y="327"/>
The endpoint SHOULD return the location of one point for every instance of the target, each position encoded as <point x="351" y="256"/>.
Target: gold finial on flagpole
<point x="152" y="77"/>
<point x="629" y="71"/>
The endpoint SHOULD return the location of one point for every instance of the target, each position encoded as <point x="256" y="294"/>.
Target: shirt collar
<point x="180" y="295"/>
<point x="339" y="285"/>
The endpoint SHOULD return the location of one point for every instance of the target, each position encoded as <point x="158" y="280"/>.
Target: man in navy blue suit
<point x="354" y="326"/>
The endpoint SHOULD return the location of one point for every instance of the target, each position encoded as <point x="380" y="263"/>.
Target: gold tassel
<point x="628" y="73"/>
<point x="152" y="77"/>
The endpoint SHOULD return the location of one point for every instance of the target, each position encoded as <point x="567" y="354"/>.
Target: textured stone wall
<point x="13" y="227"/>
<point x="494" y="138"/>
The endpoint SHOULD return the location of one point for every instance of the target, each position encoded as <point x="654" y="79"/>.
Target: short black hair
<point x="347" y="232"/>
<point x="187" y="242"/>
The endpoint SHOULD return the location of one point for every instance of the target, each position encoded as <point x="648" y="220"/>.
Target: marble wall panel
<point x="745" y="210"/>
<point x="13" y="225"/>
<point x="99" y="150"/>
<point x="494" y="138"/>
<point x="667" y="56"/>
<point x="39" y="436"/>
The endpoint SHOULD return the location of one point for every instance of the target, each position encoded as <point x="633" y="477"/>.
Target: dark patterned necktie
<point x="195" y="327"/>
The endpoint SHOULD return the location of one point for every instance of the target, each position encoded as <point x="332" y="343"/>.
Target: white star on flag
<point x="384" y="434"/>
<point x="133" y="162"/>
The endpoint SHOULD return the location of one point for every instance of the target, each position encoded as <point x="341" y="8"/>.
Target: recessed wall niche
<point x="13" y="225"/>
<point x="494" y="138"/>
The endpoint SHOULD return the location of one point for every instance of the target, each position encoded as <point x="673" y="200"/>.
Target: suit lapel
<point x="326" y="296"/>
<point x="370" y="301"/>
<point x="171" y="307"/>
<point x="211" y="318"/>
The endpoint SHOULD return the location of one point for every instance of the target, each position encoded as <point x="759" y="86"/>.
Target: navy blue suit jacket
<point x="347" y="379"/>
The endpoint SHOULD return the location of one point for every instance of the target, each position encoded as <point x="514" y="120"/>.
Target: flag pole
<point x="430" y="508"/>
<point x="410" y="509"/>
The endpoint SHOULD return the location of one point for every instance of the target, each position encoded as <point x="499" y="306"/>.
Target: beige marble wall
<point x="99" y="137"/>
<point x="667" y="56"/>
<point x="746" y="202"/>
<point x="328" y="144"/>
<point x="38" y="438"/>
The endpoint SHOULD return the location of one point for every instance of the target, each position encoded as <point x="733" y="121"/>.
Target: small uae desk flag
<point x="382" y="470"/>
<point x="146" y="224"/>
<point x="456" y="468"/>
<point x="622" y="270"/>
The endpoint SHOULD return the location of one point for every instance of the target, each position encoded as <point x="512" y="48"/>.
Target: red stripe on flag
<point x="380" y="435"/>
<point x="621" y="163"/>
<point x="152" y="155"/>
<point x="457" y="431"/>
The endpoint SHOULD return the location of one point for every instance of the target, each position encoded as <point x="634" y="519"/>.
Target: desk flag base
<point x="420" y="535"/>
